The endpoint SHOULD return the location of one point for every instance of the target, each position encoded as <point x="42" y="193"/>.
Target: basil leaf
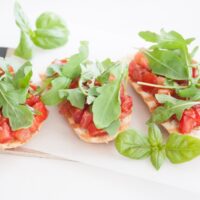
<point x="23" y="75"/>
<point x="106" y="107"/>
<point x="158" y="157"/>
<point x="24" y="48"/>
<point x="20" y="18"/>
<point x="74" y="96"/>
<point x="155" y="136"/>
<point x="72" y="68"/>
<point x="51" y="31"/>
<point x="133" y="145"/>
<point x="182" y="148"/>
<point x="51" y="97"/>
<point x="168" y="64"/>
<point x="113" y="127"/>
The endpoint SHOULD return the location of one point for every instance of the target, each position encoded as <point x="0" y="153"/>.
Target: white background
<point x="111" y="27"/>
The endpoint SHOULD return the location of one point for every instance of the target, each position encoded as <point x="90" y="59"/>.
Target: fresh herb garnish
<point x="13" y="94"/>
<point x="172" y="106"/>
<point x="51" y="32"/>
<point x="178" y="148"/>
<point x="93" y="88"/>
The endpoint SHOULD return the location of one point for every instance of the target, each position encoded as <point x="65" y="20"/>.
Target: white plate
<point x="112" y="35"/>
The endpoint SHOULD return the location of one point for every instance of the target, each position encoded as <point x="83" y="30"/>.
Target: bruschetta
<point x="91" y="96"/>
<point x="167" y="78"/>
<point x="22" y="112"/>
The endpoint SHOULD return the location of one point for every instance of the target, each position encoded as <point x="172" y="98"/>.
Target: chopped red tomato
<point x="43" y="112"/>
<point x="35" y="126"/>
<point x="22" y="135"/>
<point x="190" y="119"/>
<point x="141" y="60"/>
<point x="5" y="133"/>
<point x="86" y="119"/>
<point x="76" y="114"/>
<point x="194" y="72"/>
<point x="32" y="100"/>
<point x="74" y="84"/>
<point x="94" y="132"/>
<point x="11" y="69"/>
<point x="139" y="72"/>
<point x="126" y="104"/>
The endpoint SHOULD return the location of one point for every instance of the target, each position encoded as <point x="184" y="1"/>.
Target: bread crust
<point x="84" y="135"/>
<point x="171" y="125"/>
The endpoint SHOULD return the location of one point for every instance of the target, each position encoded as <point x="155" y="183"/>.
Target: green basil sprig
<point x="51" y="32"/>
<point x="178" y="148"/>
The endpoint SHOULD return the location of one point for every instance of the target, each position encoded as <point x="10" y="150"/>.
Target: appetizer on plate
<point x="22" y="111"/>
<point x="167" y="78"/>
<point x="91" y="96"/>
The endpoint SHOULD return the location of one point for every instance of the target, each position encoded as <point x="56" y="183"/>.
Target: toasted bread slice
<point x="84" y="135"/>
<point x="171" y="125"/>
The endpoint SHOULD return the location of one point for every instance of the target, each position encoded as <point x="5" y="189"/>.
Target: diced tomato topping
<point x="94" y="132"/>
<point x="190" y="119"/>
<point x="86" y="119"/>
<point x="74" y="84"/>
<point x="5" y="133"/>
<point x="43" y="112"/>
<point x="22" y="135"/>
<point x="142" y="74"/>
<point x="126" y="105"/>
<point x="33" y="87"/>
<point x="194" y="72"/>
<point x="141" y="60"/>
<point x="32" y="100"/>
<point x="11" y="69"/>
<point x="76" y="114"/>
<point x="35" y="126"/>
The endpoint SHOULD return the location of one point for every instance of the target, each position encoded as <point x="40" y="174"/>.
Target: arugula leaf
<point x="74" y="96"/>
<point x="149" y="36"/>
<point x="51" y="97"/>
<point x="163" y="113"/>
<point x="20" y="18"/>
<point x="182" y="148"/>
<point x="106" y="107"/>
<point x="170" y="47"/>
<point x="20" y="116"/>
<point x="113" y="127"/>
<point x="192" y="92"/>
<point x="24" y="48"/>
<point x="23" y="75"/>
<point x="54" y="69"/>
<point x="168" y="64"/>
<point x="51" y="31"/>
<point x="133" y="145"/>
<point x="72" y="68"/>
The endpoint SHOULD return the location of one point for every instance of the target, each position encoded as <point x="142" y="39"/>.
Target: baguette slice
<point x="171" y="125"/>
<point x="84" y="135"/>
